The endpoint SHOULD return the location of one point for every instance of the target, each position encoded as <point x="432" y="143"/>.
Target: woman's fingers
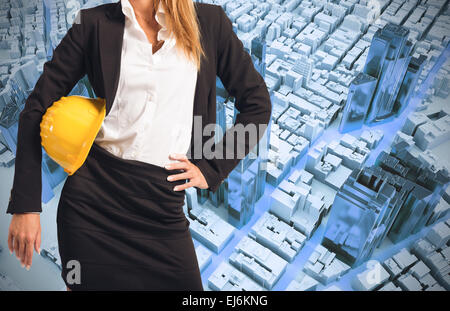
<point x="28" y="254"/>
<point x="184" y="186"/>
<point x="37" y="243"/>
<point x="22" y="245"/>
<point x="10" y="242"/>
<point x="24" y="236"/>
<point x="185" y="175"/>
<point x="177" y="165"/>
<point x="196" y="178"/>
<point x="16" y="246"/>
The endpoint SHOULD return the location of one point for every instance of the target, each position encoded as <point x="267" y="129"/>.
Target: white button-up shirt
<point x="151" y="116"/>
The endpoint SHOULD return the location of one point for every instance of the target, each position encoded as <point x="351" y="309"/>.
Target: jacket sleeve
<point x="240" y="78"/>
<point x="59" y="76"/>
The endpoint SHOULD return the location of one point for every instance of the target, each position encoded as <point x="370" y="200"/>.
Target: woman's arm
<point x="59" y="76"/>
<point x="242" y="81"/>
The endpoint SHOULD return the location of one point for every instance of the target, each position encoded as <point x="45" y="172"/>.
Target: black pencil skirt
<point x="122" y="227"/>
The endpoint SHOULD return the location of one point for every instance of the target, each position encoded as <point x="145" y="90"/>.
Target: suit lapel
<point x="201" y="74"/>
<point x="111" y="32"/>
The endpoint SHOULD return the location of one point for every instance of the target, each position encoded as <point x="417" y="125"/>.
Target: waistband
<point x="138" y="168"/>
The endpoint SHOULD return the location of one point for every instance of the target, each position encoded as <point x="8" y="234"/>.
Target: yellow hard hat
<point x="69" y="127"/>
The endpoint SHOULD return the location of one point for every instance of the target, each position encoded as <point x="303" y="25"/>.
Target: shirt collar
<point x="160" y="18"/>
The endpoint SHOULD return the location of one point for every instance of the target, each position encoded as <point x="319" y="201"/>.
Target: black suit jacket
<point x="93" y="47"/>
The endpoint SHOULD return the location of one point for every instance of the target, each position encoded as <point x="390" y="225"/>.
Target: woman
<point x="120" y="220"/>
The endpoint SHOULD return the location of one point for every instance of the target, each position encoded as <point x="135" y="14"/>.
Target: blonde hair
<point x="182" y="21"/>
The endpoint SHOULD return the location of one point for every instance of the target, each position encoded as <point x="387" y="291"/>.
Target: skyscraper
<point x="409" y="83"/>
<point x="395" y="198"/>
<point x="394" y="75"/>
<point x="358" y="101"/>
<point x="389" y="70"/>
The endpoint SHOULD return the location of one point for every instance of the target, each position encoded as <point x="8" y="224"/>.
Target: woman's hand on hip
<point x="191" y="172"/>
<point x="24" y="235"/>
